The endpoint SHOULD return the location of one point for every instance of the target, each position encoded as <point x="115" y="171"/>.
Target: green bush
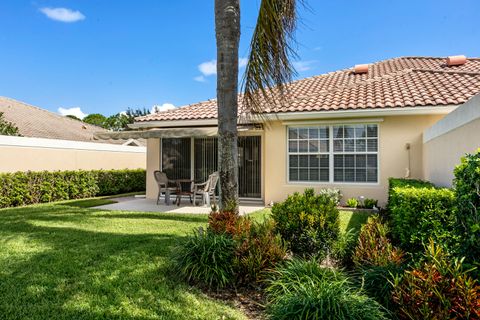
<point x="376" y="261"/>
<point x="352" y="203"/>
<point x="333" y="194"/>
<point x="206" y="258"/>
<point x="437" y="288"/>
<point x="120" y="181"/>
<point x="24" y="188"/>
<point x="308" y="223"/>
<point x="304" y="290"/>
<point x="467" y="187"/>
<point x="419" y="211"/>
<point x="370" y="203"/>
<point x="344" y="247"/>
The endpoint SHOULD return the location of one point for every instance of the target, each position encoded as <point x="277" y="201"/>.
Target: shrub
<point x="370" y="203"/>
<point x="376" y="261"/>
<point x="439" y="288"/>
<point x="304" y="290"/>
<point x="309" y="223"/>
<point x="377" y="281"/>
<point x="352" y="203"/>
<point x="420" y="211"/>
<point x="206" y="258"/>
<point x="374" y="247"/>
<point x="258" y="250"/>
<point x="344" y="247"/>
<point x="23" y="188"/>
<point x="333" y="194"/>
<point x="120" y="181"/>
<point x="222" y="222"/>
<point x="467" y="222"/>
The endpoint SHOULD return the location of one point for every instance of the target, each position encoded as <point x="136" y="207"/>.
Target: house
<point x="35" y="122"/>
<point x="50" y="141"/>
<point x="351" y="129"/>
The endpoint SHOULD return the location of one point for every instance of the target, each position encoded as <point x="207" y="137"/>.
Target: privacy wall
<point x="449" y="139"/>
<point x="36" y="154"/>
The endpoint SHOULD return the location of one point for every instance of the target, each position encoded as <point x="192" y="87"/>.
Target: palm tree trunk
<point x="227" y="29"/>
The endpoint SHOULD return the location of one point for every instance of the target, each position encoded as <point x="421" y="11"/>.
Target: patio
<point x="147" y="205"/>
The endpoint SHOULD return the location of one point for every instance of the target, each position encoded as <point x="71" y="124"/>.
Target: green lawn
<point x="63" y="261"/>
<point x="60" y="261"/>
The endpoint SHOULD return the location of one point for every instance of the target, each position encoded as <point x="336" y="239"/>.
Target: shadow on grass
<point x="357" y="219"/>
<point x="88" y="203"/>
<point x="57" y="272"/>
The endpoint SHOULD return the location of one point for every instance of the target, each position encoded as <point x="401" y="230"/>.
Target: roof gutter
<point x="408" y="111"/>
<point x="173" y="123"/>
<point x="305" y="115"/>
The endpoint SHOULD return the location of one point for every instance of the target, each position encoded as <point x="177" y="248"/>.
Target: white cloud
<point x="208" y="68"/>
<point x="63" y="14"/>
<point x="162" y="107"/>
<point x="200" y="79"/>
<point x="303" y="65"/>
<point x="77" y="112"/>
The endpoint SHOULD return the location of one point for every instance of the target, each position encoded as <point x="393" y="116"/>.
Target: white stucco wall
<point x="449" y="139"/>
<point x="37" y="154"/>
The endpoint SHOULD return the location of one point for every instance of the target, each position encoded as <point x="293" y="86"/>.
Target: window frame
<point x="331" y="153"/>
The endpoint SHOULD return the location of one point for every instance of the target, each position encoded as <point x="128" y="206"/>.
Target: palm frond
<point x="269" y="67"/>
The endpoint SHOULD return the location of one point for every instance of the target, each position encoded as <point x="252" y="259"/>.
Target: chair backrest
<point x="213" y="180"/>
<point x="160" y="177"/>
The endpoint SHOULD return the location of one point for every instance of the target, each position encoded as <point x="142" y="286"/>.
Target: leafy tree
<point x="71" y="116"/>
<point x="7" y="128"/>
<point x="120" y="121"/>
<point x="269" y="65"/>
<point x="117" y="122"/>
<point x="95" y="119"/>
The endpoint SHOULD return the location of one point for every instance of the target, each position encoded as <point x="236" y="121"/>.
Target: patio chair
<point x="164" y="186"/>
<point x="206" y="190"/>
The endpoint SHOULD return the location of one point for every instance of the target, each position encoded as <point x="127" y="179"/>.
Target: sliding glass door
<point x="249" y="165"/>
<point x="176" y="154"/>
<point x="177" y="161"/>
<point x="205" y="159"/>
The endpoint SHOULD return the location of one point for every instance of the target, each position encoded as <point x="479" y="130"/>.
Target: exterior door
<point x="177" y="160"/>
<point x="249" y="167"/>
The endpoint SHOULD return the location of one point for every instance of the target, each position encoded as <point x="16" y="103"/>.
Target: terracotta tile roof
<point x="39" y="123"/>
<point x="394" y="83"/>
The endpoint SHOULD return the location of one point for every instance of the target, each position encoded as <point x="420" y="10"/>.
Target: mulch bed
<point x="250" y="301"/>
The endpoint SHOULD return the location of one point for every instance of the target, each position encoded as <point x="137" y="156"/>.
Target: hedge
<point x="419" y="211"/>
<point x="467" y="187"/>
<point x="24" y="188"/>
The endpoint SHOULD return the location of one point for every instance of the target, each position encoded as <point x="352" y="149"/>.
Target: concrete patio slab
<point x="147" y="205"/>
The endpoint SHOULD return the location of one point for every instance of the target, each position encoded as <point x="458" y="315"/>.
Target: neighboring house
<point x="35" y="122"/>
<point x="50" y="141"/>
<point x="350" y="129"/>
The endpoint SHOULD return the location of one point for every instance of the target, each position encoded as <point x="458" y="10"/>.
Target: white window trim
<point x="331" y="154"/>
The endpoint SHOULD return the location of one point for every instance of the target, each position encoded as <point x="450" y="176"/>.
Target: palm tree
<point x="268" y="66"/>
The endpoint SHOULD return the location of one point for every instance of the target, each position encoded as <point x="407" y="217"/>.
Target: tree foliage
<point x="7" y="128"/>
<point x="95" y="119"/>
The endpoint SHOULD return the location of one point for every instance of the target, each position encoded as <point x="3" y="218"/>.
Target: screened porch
<point x="195" y="158"/>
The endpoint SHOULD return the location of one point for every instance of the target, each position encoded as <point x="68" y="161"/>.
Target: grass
<point x="352" y="220"/>
<point x="60" y="261"/>
<point x="348" y="219"/>
<point x="88" y="203"/>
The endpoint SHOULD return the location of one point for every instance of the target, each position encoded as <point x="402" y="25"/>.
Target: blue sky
<point x="105" y="56"/>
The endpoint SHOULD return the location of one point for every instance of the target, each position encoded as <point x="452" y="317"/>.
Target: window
<point x="308" y="152"/>
<point x="339" y="153"/>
